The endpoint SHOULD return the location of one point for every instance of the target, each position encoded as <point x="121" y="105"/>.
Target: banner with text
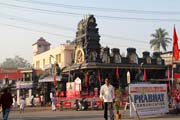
<point x="148" y="99"/>
<point x="70" y="89"/>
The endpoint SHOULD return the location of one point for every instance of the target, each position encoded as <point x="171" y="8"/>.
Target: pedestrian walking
<point x="32" y="100"/>
<point x="22" y="105"/>
<point x="15" y="102"/>
<point x="6" y="101"/>
<point x="53" y="104"/>
<point x="107" y="96"/>
<point x="42" y="100"/>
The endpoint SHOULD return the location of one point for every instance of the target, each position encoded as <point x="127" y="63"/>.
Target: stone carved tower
<point x="87" y="41"/>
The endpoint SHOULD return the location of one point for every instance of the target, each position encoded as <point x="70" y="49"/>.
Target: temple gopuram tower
<point x="87" y="41"/>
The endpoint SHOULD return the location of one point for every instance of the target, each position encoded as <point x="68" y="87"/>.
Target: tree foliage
<point x="16" y="62"/>
<point x="160" y="39"/>
<point x="70" y="42"/>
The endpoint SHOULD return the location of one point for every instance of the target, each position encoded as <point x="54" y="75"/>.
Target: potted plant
<point x="117" y="107"/>
<point x="117" y="103"/>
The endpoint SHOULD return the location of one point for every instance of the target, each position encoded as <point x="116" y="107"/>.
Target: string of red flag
<point x="175" y="45"/>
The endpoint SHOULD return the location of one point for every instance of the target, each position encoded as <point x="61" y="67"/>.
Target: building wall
<point x="168" y="58"/>
<point x="35" y="49"/>
<point x="63" y="55"/>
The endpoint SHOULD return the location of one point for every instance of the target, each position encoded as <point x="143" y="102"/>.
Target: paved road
<point x="57" y="115"/>
<point x="76" y="115"/>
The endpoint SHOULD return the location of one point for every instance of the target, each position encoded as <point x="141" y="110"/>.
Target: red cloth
<point x="86" y="79"/>
<point x="145" y="77"/>
<point x="6" y="100"/>
<point x="177" y="98"/>
<point x="117" y="74"/>
<point x="168" y="74"/>
<point x="99" y="77"/>
<point x="39" y="99"/>
<point x="175" y="45"/>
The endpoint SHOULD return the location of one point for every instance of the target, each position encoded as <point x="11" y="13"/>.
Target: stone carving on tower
<point x="115" y="54"/>
<point x="106" y="55"/>
<point x="132" y="55"/>
<point x="87" y="41"/>
<point x="146" y="56"/>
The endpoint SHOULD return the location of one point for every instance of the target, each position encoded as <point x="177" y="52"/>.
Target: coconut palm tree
<point x="160" y="39"/>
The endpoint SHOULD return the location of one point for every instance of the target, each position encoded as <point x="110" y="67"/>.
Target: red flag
<point x="86" y="79"/>
<point x="99" y="77"/>
<point x="54" y="80"/>
<point x="117" y="73"/>
<point x="168" y="74"/>
<point x="145" y="77"/>
<point x="175" y="45"/>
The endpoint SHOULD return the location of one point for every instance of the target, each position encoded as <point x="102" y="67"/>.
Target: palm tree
<point x="160" y="39"/>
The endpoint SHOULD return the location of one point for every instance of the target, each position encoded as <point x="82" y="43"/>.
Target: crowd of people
<point x="107" y="96"/>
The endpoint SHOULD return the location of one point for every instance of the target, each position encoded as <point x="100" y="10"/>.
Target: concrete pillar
<point x="18" y="96"/>
<point x="30" y="93"/>
<point x="30" y="76"/>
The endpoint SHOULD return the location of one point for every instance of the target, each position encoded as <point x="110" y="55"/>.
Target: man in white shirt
<point x="107" y="96"/>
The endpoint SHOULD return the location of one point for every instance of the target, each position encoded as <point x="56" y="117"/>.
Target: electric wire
<point x="44" y="24"/>
<point x="99" y="16"/>
<point x="34" y="30"/>
<point x="60" y="35"/>
<point x="99" y="8"/>
<point x="110" y="36"/>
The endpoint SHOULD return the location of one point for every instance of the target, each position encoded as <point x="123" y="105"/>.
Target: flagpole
<point x="172" y="76"/>
<point x="172" y="65"/>
<point x="169" y="82"/>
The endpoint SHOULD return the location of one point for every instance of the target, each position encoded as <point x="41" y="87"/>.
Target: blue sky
<point x="121" y="23"/>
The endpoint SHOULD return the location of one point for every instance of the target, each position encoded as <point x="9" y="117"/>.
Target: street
<point x="57" y="115"/>
<point x="77" y="115"/>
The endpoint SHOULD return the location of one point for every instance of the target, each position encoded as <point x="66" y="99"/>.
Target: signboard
<point x="77" y="86"/>
<point x="20" y="85"/>
<point x="50" y="79"/>
<point x="70" y="89"/>
<point x="148" y="99"/>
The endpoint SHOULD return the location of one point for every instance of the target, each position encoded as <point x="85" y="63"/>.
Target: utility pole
<point x="54" y="73"/>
